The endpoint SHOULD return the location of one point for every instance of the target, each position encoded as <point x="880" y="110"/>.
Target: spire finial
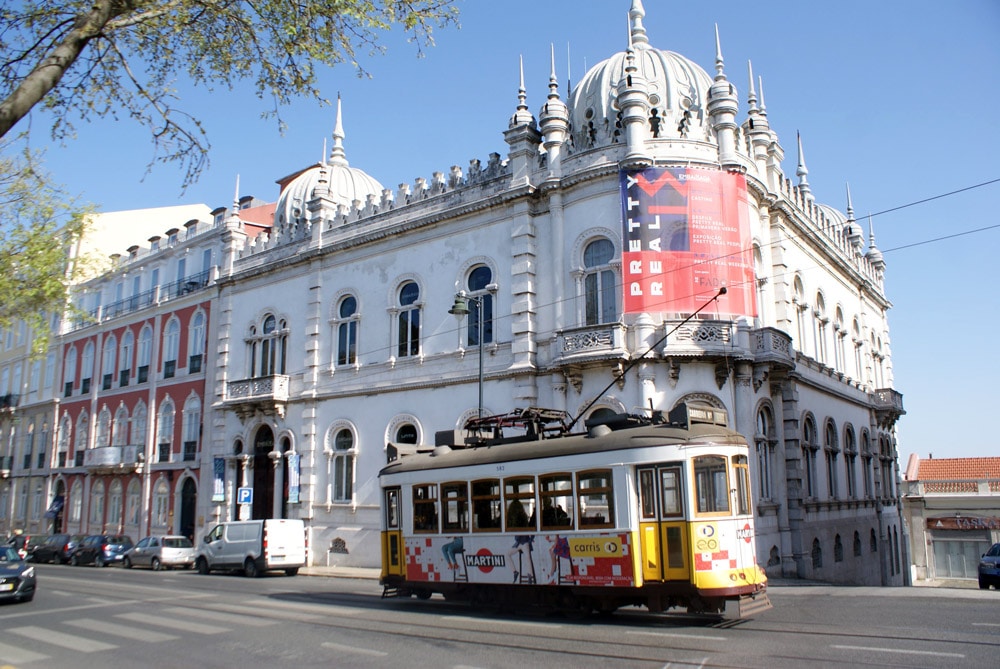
<point x="850" y="205"/>
<point x="337" y="155"/>
<point x="521" y="116"/>
<point x="236" y="195"/>
<point x="801" y="171"/>
<point x="719" y="62"/>
<point x="752" y="95"/>
<point x="637" y="34"/>
<point x="760" y="87"/>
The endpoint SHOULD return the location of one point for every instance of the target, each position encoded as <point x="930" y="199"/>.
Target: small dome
<point x="347" y="185"/>
<point x="833" y="215"/>
<point x="677" y="87"/>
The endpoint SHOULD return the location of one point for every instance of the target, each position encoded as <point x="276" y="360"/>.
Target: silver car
<point x="161" y="553"/>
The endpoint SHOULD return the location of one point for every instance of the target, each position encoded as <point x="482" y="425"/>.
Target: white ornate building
<point x="335" y="338"/>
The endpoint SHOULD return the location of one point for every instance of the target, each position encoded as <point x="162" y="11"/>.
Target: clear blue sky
<point x="899" y="98"/>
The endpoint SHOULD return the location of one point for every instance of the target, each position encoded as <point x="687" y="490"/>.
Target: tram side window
<point x="672" y="496"/>
<point x="455" y="506"/>
<point x="425" y="518"/>
<point x="519" y="496"/>
<point x="596" y="495"/>
<point x="392" y="509"/>
<point x="486" y="505"/>
<point x="742" y="469"/>
<point x="711" y="484"/>
<point x="556" y="491"/>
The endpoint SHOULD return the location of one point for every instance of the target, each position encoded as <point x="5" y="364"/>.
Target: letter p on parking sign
<point x="244" y="496"/>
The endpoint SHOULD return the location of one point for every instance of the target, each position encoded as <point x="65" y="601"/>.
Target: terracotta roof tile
<point x="940" y="469"/>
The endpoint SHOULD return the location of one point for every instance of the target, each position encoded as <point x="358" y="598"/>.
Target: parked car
<point x="161" y="553"/>
<point x="17" y="577"/>
<point x="32" y="544"/>
<point x="989" y="568"/>
<point x="101" y="550"/>
<point x="51" y="549"/>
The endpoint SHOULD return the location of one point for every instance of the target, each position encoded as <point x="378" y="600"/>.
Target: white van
<point x="254" y="546"/>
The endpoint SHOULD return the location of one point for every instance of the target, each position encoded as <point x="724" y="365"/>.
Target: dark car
<point x="31" y="545"/>
<point x="101" y="550"/>
<point x="50" y="548"/>
<point x="989" y="568"/>
<point x="17" y="577"/>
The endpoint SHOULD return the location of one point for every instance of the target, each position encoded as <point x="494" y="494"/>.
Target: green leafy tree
<point x="120" y="58"/>
<point x="40" y="228"/>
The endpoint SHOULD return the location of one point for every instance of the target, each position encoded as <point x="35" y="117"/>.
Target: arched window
<point x="145" y="353"/>
<point x="809" y="448"/>
<point x="196" y="343"/>
<point x="86" y="367"/>
<point x="161" y="504"/>
<point x="139" y="418"/>
<point x="115" y="505"/>
<point x="765" y="441"/>
<point x="831" y="448"/>
<point x="76" y="502"/>
<point x="839" y="334"/>
<point x="408" y="320"/>
<point x="171" y="344"/>
<point x="62" y="440"/>
<point x="103" y="428"/>
<point x="108" y="359"/>
<point x="838" y="549"/>
<point x="867" y="474"/>
<point x="97" y="504"/>
<point x="344" y="454"/>
<point x="347" y="330"/>
<point x="267" y="351"/>
<point x="851" y="462"/>
<point x="799" y="300"/>
<point x="817" y="554"/>
<point x="822" y="323"/>
<point x="857" y="544"/>
<point x="165" y="431"/>
<point x="82" y="434"/>
<point x="873" y="542"/>
<point x="191" y="427"/>
<point x="132" y="505"/>
<point x="69" y="370"/>
<point x="125" y="358"/>
<point x="119" y="427"/>
<point x="479" y="279"/>
<point x="599" y="283"/>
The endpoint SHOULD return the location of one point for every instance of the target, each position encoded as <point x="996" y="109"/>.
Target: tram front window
<point x="711" y="484"/>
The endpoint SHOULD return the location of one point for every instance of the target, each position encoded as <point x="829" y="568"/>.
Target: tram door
<point x="392" y="535"/>
<point x="662" y="525"/>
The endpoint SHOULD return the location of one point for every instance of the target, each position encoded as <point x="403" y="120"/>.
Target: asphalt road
<point x="108" y="618"/>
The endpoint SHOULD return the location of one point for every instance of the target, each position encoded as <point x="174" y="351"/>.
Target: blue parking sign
<point x="244" y="496"/>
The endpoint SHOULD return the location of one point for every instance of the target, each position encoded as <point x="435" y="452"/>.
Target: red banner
<point x="686" y="234"/>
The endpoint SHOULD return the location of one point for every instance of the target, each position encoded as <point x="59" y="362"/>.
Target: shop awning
<point x="55" y="507"/>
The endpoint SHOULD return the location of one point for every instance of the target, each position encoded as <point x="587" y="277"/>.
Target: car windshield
<point x="177" y="542"/>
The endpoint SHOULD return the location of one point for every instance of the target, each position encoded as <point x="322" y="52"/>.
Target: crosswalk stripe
<point x="15" y="655"/>
<point x="126" y="631"/>
<point x="324" y="609"/>
<point x="220" y="616"/>
<point x="183" y="625"/>
<point x="71" y="641"/>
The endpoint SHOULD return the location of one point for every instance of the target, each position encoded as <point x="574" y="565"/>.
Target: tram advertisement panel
<point x="686" y="234"/>
<point x="596" y="560"/>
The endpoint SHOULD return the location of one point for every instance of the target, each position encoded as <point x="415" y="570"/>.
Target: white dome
<point x="347" y="185"/>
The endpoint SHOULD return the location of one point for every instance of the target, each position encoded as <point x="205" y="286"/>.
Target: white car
<point x="161" y="553"/>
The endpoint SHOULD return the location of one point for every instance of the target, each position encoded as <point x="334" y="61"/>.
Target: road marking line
<point x="528" y="623"/>
<point x="220" y="616"/>
<point x="121" y="630"/>
<point x="71" y="641"/>
<point x="677" y="635"/>
<point x="183" y="625"/>
<point x="325" y="609"/>
<point x="900" y="650"/>
<point x="353" y="649"/>
<point x="986" y="624"/>
<point x="16" y="655"/>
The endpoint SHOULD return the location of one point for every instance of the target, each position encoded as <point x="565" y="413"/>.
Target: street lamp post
<point x="460" y="310"/>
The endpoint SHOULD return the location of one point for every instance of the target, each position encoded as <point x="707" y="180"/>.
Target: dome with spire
<point x="332" y="177"/>
<point x="678" y="90"/>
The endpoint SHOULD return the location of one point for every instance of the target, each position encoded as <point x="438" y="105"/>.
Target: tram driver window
<point x="425" y="517"/>
<point x="596" y="495"/>
<point x="711" y="484"/>
<point x="742" y="469"/>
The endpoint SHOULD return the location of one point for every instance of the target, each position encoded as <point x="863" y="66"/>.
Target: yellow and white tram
<point x="644" y="511"/>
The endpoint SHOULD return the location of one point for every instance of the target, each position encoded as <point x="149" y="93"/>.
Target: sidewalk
<point x="342" y="572"/>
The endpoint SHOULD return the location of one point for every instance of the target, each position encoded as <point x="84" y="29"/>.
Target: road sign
<point x="244" y="496"/>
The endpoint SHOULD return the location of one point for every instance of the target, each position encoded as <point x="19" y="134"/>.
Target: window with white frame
<point x="851" y="462"/>
<point x="600" y="285"/>
<point x="86" y="367"/>
<point x="125" y="358"/>
<point x="69" y="370"/>
<point x="831" y="448"/>
<point x="161" y="504"/>
<point x="82" y="431"/>
<point x="347" y="323"/>
<point x="171" y="344"/>
<point x="191" y="427"/>
<point x="267" y="347"/>
<point x="119" y="427"/>
<point x="76" y="502"/>
<point x="139" y="418"/>
<point x="344" y="453"/>
<point x="115" y="504"/>
<point x="196" y="343"/>
<point x="479" y="280"/>
<point x="103" y="428"/>
<point x="132" y="503"/>
<point x="145" y="353"/>
<point x="36" y="503"/>
<point x="408" y="320"/>
<point x="108" y="359"/>
<point x="97" y="504"/>
<point x="765" y="442"/>
<point x="165" y="431"/>
<point x="809" y="448"/>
